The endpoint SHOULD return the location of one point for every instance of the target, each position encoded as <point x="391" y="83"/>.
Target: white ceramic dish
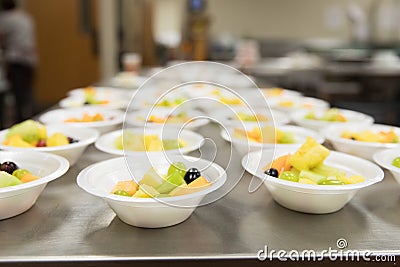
<point x="102" y="92"/>
<point x="100" y="178"/>
<point x="115" y="102"/>
<point x="106" y="143"/>
<point x="317" y="199"/>
<point x="361" y="149"/>
<point x="385" y="158"/>
<point x="15" y="200"/>
<point x="112" y="118"/>
<point x="71" y="152"/>
<point x="137" y="119"/>
<point x="298" y="103"/>
<point x="353" y="118"/>
<point x="243" y="146"/>
<point x="127" y="80"/>
<point x="228" y="117"/>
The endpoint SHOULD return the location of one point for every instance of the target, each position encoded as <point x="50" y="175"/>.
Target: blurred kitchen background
<point x="344" y="51"/>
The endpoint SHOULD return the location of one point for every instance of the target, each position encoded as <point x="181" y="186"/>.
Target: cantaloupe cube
<point x="128" y="186"/>
<point x="28" y="177"/>
<point x="197" y="185"/>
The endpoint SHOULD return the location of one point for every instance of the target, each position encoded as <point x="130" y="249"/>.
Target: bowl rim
<point x="114" y="151"/>
<point x="319" y="138"/>
<point x="318" y="103"/>
<point x="298" y="118"/>
<point x="94" y="134"/>
<point x="118" y="116"/>
<point x="132" y="119"/>
<point x="337" y="139"/>
<point x="78" y="90"/>
<point x="310" y="188"/>
<point x="62" y="169"/>
<point x="278" y="117"/>
<point x="377" y="157"/>
<point x="82" y="177"/>
<point x="65" y="103"/>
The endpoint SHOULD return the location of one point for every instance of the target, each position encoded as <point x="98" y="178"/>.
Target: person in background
<point x="17" y="38"/>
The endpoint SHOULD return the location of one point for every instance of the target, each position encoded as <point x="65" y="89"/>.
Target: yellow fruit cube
<point x="306" y="181"/>
<point x="309" y="155"/>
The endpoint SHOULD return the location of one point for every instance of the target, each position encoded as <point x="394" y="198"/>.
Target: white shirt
<point x="18" y="33"/>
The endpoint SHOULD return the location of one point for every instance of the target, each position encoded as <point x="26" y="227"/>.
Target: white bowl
<point x="299" y="103"/>
<point x="112" y="118"/>
<point x="102" y="92"/>
<point x="115" y="102"/>
<point x="15" y="200"/>
<point x="353" y="118"/>
<point x="194" y="141"/>
<point x="127" y="80"/>
<point x="385" y="158"/>
<point x="317" y="199"/>
<point x="361" y="149"/>
<point x="100" y="178"/>
<point x="243" y="146"/>
<point x="269" y="93"/>
<point x="71" y="152"/>
<point x="137" y="119"/>
<point x="228" y="117"/>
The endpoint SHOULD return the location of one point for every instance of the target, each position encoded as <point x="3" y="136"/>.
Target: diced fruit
<point x="330" y="182"/>
<point x="396" y="162"/>
<point x="357" y="179"/>
<point x="122" y="193"/>
<point x="306" y="181"/>
<point x="28" y="177"/>
<point x="57" y="139"/>
<point x="195" y="186"/>
<point x="17" y="141"/>
<point x="177" y="167"/>
<point x="328" y="171"/>
<point x="8" y="167"/>
<point x="7" y="179"/>
<point x="369" y="136"/>
<point x="280" y="164"/>
<point x="19" y="173"/>
<point x="30" y="131"/>
<point x="41" y="143"/>
<point x="289" y="176"/>
<point x="191" y="175"/>
<point x="309" y="155"/>
<point x="128" y="186"/>
<point x="272" y="172"/>
<point x="146" y="191"/>
<point x="172" y="181"/>
<point x="152" y="178"/>
<point x="311" y="176"/>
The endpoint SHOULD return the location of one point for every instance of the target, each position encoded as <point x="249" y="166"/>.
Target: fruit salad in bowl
<point x="295" y="104"/>
<point x="277" y="92"/>
<point x="102" y="120"/>
<point x="153" y="194"/>
<point x="137" y="141"/>
<point x="390" y="160"/>
<point x="23" y="176"/>
<point x="311" y="178"/>
<point x="69" y="142"/>
<point x="253" y="137"/>
<point x="241" y="115"/>
<point x="318" y="120"/>
<point x="167" y="117"/>
<point x="363" y="141"/>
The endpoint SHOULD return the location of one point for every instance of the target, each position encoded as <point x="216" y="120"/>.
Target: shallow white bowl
<point x="227" y="117"/>
<point x="112" y="118"/>
<point x="115" y="102"/>
<point x="194" y="141"/>
<point x="243" y="146"/>
<point x="361" y="149"/>
<point x="299" y="103"/>
<point x="353" y="118"/>
<point x="15" y="200"/>
<point x="71" y="152"/>
<point x="100" y="178"/>
<point x="127" y="80"/>
<point x="103" y="92"/>
<point x="385" y="158"/>
<point x="317" y="199"/>
<point x="137" y="119"/>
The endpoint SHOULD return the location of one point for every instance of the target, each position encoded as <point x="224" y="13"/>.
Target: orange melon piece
<point x="195" y="186"/>
<point x="28" y="177"/>
<point x="128" y="186"/>
<point x="281" y="164"/>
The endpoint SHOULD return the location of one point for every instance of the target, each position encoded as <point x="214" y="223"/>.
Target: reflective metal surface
<point x="68" y="224"/>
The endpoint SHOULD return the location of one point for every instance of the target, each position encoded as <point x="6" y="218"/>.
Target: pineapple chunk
<point x="309" y="155"/>
<point x="306" y="181"/>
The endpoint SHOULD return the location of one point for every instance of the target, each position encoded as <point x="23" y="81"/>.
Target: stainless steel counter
<point x="67" y="224"/>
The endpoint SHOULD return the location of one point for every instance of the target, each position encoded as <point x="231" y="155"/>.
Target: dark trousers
<point x="20" y="77"/>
